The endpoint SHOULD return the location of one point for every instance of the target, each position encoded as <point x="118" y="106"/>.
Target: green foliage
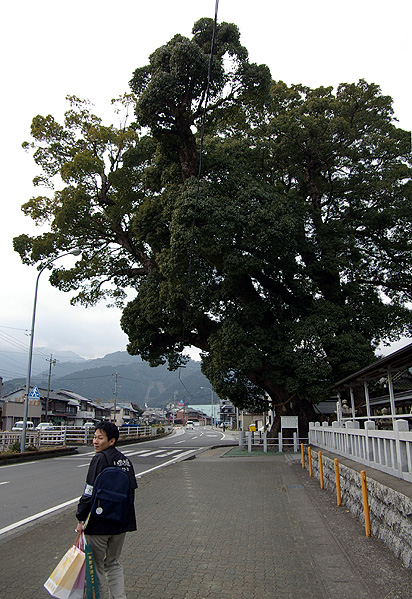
<point x="14" y="447"/>
<point x="290" y="261"/>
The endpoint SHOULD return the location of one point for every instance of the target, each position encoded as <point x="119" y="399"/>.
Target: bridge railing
<point x="387" y="450"/>
<point x="75" y="435"/>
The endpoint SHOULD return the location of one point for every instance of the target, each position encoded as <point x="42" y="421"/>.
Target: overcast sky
<point x="90" y="48"/>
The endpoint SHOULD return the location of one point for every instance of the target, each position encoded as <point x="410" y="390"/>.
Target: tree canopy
<point x="286" y="262"/>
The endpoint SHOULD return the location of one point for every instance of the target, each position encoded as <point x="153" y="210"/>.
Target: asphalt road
<point x="35" y="489"/>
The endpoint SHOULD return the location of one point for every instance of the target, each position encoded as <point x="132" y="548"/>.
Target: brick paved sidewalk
<point x="216" y="527"/>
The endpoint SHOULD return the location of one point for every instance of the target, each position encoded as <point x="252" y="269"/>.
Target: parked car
<point x="45" y="426"/>
<point x="88" y="425"/>
<point x="18" y="426"/>
<point x="189" y="424"/>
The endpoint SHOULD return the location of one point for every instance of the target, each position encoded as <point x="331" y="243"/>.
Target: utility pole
<point x="115" y="396"/>
<point x="52" y="362"/>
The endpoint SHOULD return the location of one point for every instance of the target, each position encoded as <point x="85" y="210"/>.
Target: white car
<point x="189" y="424"/>
<point x="88" y="425"/>
<point x="45" y="426"/>
<point x="18" y="426"/>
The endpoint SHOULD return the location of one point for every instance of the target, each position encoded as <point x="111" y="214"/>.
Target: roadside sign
<point x="34" y="393"/>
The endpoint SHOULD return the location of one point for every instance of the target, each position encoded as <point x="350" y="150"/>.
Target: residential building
<point x="61" y="407"/>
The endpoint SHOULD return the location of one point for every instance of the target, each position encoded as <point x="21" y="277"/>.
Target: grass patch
<point x="236" y="452"/>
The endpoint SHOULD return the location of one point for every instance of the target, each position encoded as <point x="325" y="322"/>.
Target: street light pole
<point x="75" y="252"/>
<point x="213" y="406"/>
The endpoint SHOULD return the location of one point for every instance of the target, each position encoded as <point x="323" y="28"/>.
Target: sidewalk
<point x="221" y="527"/>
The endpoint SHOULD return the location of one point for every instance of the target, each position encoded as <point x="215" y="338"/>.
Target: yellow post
<point x="310" y="460"/>
<point x="302" y="450"/>
<point x="338" y="495"/>
<point x="322" y="486"/>
<point x="365" y="504"/>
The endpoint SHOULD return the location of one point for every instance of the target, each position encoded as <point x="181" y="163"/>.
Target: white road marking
<point x="14" y="465"/>
<point x="172" y="461"/>
<point x="169" y="453"/>
<point x="177" y="442"/>
<point x="67" y="503"/>
<point x="141" y="451"/>
<point x="5" y="483"/>
<point x="37" y="516"/>
<point x="152" y="453"/>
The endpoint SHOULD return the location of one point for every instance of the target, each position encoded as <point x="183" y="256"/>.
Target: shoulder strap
<point x="105" y="457"/>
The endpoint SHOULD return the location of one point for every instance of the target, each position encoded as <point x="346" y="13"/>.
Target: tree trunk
<point x="301" y="408"/>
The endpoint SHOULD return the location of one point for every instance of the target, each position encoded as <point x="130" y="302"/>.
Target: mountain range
<point x="132" y="379"/>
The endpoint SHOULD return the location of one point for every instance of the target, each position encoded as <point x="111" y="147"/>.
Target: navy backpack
<point x="112" y="494"/>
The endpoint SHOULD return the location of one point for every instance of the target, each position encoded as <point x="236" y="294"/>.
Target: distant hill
<point x="13" y="362"/>
<point x="136" y="381"/>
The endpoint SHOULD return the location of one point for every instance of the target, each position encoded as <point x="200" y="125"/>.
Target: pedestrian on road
<point x="106" y="536"/>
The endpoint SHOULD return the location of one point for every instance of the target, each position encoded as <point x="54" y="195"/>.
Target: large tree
<point x="283" y="254"/>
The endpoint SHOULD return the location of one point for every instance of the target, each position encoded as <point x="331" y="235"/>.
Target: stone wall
<point x="390" y="510"/>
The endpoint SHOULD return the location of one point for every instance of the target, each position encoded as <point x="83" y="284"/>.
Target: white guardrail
<point x="261" y="440"/>
<point x="387" y="450"/>
<point x="74" y="435"/>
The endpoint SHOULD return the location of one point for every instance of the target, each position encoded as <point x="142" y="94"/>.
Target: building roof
<point x="395" y="362"/>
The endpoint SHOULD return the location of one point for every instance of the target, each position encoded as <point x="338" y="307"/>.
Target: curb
<point x="29" y="456"/>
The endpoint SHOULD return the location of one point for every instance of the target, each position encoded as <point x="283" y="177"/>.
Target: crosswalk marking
<point x="146" y="453"/>
<point x="141" y="451"/>
<point x="153" y="453"/>
<point x="169" y="453"/>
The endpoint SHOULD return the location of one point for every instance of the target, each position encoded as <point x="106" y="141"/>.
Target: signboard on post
<point x="289" y="422"/>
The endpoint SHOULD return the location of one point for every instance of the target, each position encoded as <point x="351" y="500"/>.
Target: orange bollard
<point x="302" y="450"/>
<point x="310" y="461"/>
<point x="322" y="486"/>
<point x="365" y="504"/>
<point x="338" y="495"/>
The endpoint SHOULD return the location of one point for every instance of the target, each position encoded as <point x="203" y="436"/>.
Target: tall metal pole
<point x="213" y="406"/>
<point x="115" y="397"/>
<point x="52" y="363"/>
<point x="75" y="252"/>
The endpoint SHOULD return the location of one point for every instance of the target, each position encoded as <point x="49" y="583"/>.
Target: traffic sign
<point x="34" y="393"/>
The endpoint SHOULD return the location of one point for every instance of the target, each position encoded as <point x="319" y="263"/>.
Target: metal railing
<point x="260" y="440"/>
<point x="387" y="450"/>
<point x="74" y="436"/>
